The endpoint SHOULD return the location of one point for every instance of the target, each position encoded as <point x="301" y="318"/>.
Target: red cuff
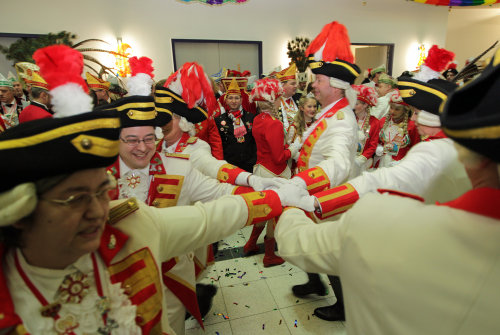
<point x="315" y="179"/>
<point x="228" y="173"/>
<point x="336" y="200"/>
<point x="262" y="206"/>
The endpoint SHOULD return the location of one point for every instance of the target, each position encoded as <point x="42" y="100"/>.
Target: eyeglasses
<point x="134" y="141"/>
<point x="83" y="199"/>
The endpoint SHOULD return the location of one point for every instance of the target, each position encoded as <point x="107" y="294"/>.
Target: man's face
<point x="302" y="85"/>
<point x="233" y="101"/>
<point x="383" y="89"/>
<point x="289" y="88"/>
<point x="60" y="234"/>
<point x="137" y="155"/>
<point x="18" y="89"/>
<point x="376" y="77"/>
<point x="102" y="95"/>
<point x="323" y="92"/>
<point x="6" y="94"/>
<point x="171" y="131"/>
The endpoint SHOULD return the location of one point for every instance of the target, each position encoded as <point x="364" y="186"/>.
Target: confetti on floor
<point x="295" y="324"/>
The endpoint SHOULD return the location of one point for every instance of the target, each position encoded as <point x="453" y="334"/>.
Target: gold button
<point x="130" y="203"/>
<point x="86" y="143"/>
<point x="2" y="316"/>
<point x="130" y="113"/>
<point x="156" y="203"/>
<point x="127" y="289"/>
<point x="412" y="92"/>
<point x="160" y="188"/>
<point x="139" y="319"/>
<point x="261" y="194"/>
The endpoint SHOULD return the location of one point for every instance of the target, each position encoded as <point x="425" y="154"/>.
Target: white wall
<point x="148" y="25"/>
<point x="472" y="31"/>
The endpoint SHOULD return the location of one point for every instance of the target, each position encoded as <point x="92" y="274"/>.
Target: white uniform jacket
<point x="430" y="169"/>
<point x="410" y="269"/>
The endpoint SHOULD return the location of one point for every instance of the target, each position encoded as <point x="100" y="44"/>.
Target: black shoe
<point x="205" y="294"/>
<point x="330" y="313"/>
<point x="311" y="287"/>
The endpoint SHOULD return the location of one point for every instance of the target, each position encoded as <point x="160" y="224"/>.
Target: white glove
<point x="294" y="149"/>
<point x="299" y="182"/>
<point x="360" y="160"/>
<point x="292" y="195"/>
<point x="379" y="151"/>
<point x="261" y="184"/>
<point x="242" y="178"/>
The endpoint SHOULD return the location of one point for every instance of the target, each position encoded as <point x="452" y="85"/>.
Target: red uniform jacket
<point x="269" y="138"/>
<point x="371" y="141"/>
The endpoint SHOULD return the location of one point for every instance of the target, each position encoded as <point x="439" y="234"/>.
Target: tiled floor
<point x="252" y="299"/>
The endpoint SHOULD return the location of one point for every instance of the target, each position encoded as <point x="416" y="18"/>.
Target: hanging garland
<point x="218" y="2"/>
<point x="450" y="3"/>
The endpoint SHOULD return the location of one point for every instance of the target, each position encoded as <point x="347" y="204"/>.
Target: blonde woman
<point x="308" y="107"/>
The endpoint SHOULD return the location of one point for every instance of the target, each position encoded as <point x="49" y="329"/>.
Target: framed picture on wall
<point x="6" y="39"/>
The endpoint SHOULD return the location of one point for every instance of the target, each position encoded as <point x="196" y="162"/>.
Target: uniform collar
<point x="483" y="201"/>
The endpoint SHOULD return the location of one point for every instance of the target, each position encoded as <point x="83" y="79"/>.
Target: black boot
<point x="313" y="286"/>
<point x="330" y="313"/>
<point x="204" y="294"/>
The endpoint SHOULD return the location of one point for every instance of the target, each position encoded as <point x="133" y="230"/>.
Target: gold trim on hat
<point x="60" y="132"/>
<point x="140" y="115"/>
<point x="164" y="100"/>
<point x="316" y="65"/>
<point x="96" y="146"/>
<point x="420" y="87"/>
<point x="130" y="105"/>
<point x="492" y="132"/>
<point x="163" y="110"/>
<point x="173" y="95"/>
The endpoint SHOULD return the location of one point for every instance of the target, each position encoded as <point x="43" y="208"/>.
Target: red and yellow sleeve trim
<point x="315" y="179"/>
<point x="242" y="190"/>
<point x="228" y="173"/>
<point x="262" y="206"/>
<point x="336" y="200"/>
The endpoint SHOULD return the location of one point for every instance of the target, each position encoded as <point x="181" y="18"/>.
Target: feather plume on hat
<point x="332" y="43"/>
<point x="142" y="76"/>
<point x="436" y="62"/>
<point x="193" y="85"/>
<point x="266" y="89"/>
<point x="61" y="67"/>
<point x="366" y="94"/>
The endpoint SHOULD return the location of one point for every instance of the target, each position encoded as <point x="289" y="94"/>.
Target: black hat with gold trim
<point x="470" y="115"/>
<point x="191" y="91"/>
<point x="426" y="96"/>
<point x="168" y="102"/>
<point x="138" y="108"/>
<point x="330" y="54"/>
<point x="73" y="140"/>
<point x="55" y="146"/>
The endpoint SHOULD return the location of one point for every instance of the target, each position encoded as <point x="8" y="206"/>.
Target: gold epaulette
<point x="122" y="210"/>
<point x="340" y="115"/>
<point x="192" y="140"/>
<point x="176" y="155"/>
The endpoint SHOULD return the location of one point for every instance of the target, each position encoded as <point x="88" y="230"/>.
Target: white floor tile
<point x="219" y="328"/>
<point x="264" y="323"/>
<point x="250" y="299"/>
<point x="237" y="271"/>
<point x="307" y="323"/>
<point x="281" y="289"/>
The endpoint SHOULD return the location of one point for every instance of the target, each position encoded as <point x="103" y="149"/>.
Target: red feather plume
<point x="438" y="59"/>
<point x="141" y="65"/>
<point x="59" y="64"/>
<point x="337" y="43"/>
<point x="195" y="85"/>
